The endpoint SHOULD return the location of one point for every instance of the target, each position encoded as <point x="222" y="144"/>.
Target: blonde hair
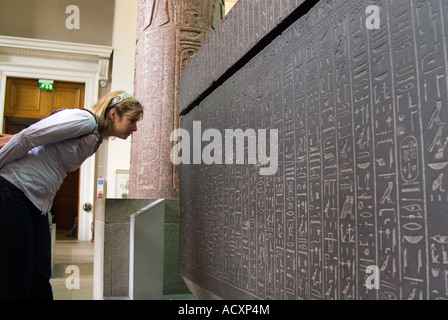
<point x="103" y="106"/>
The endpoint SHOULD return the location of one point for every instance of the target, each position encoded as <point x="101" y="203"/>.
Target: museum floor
<point x="70" y="252"/>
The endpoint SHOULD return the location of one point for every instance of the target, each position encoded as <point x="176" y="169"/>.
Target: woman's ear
<point x="112" y="114"/>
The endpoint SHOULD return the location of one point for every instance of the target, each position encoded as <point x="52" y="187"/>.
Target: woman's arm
<point x="67" y="124"/>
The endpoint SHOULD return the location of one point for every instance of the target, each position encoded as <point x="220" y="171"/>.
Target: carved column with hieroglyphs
<point x="169" y="34"/>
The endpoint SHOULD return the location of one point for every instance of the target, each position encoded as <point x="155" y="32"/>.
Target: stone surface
<point x="169" y="34"/>
<point x="112" y="234"/>
<point x="146" y="255"/>
<point x="362" y="173"/>
<point x="244" y="27"/>
<point x="112" y="247"/>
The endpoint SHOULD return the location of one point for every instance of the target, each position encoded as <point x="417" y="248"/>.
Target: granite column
<point x="169" y="34"/>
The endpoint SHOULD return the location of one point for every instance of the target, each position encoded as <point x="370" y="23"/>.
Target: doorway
<point x="26" y="104"/>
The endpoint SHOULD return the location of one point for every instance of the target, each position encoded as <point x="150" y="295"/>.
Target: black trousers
<point x="25" y="247"/>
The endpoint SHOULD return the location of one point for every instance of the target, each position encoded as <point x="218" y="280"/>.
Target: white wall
<point x="46" y="20"/>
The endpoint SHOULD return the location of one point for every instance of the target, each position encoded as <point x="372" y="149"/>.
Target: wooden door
<point x="65" y="206"/>
<point x="25" y="100"/>
<point x="25" y="104"/>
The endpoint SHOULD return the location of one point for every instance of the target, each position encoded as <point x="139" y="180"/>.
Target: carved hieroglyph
<point x="362" y="176"/>
<point x="169" y="34"/>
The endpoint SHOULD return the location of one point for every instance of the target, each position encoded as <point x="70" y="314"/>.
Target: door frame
<point x="61" y="61"/>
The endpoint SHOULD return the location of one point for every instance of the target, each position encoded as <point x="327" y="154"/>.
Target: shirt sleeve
<point x="67" y="124"/>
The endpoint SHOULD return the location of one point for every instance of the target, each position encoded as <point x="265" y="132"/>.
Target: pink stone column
<point x="169" y="33"/>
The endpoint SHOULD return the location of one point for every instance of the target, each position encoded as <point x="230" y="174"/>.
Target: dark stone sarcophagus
<point x="344" y="103"/>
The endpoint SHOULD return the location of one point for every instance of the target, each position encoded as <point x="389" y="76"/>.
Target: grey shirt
<point x="37" y="159"/>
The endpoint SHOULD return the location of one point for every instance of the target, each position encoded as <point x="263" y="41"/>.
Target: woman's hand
<point x="4" y="138"/>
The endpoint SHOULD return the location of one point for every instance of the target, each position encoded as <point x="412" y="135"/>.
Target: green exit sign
<point x="46" y="85"/>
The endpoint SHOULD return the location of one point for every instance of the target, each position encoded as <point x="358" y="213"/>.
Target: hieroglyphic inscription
<point x="430" y="27"/>
<point x="363" y="194"/>
<point x="362" y="118"/>
<point x="385" y="162"/>
<point x="246" y="25"/>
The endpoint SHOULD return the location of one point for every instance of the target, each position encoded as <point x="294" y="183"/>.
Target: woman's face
<point x="123" y="127"/>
